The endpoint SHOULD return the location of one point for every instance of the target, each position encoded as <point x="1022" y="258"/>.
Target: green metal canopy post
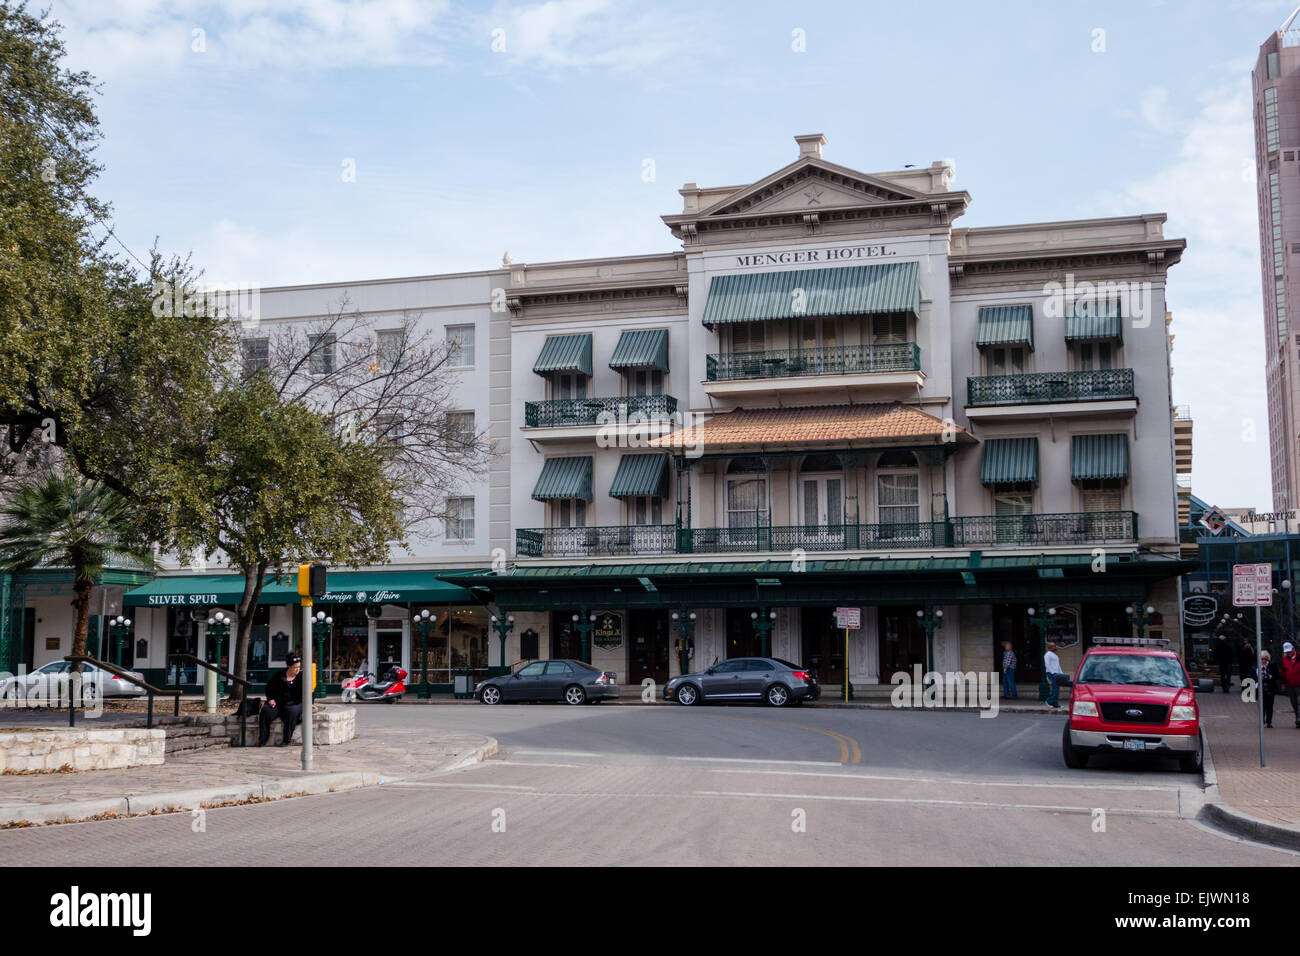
<point x="1140" y="616"/>
<point x="763" y="621"/>
<point x="321" y="626"/>
<point x="684" y="621"/>
<point x="422" y="622"/>
<point x="930" y="618"/>
<point x="503" y="626"/>
<point x="1041" y="618"/>
<point x="118" y="629"/>
<point x="218" y="628"/>
<point x="585" y="623"/>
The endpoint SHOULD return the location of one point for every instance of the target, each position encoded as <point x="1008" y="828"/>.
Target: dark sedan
<point x="570" y="681"/>
<point x="767" y="679"/>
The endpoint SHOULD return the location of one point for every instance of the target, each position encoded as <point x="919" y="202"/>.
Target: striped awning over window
<point x="642" y="348"/>
<point x="808" y="293"/>
<point x="1005" y="325"/>
<point x="641" y="475"/>
<point x="1098" y="457"/>
<point x="565" y="353"/>
<point x="1087" y="326"/>
<point x="564" y="478"/>
<point x="1010" y="461"/>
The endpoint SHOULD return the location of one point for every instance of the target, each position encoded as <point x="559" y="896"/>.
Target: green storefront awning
<point x="640" y="475"/>
<point x="207" y="590"/>
<point x="1005" y="325"/>
<point x="641" y="348"/>
<point x="808" y="293"/>
<point x="1082" y="326"/>
<point x="564" y="478"/>
<point x="391" y="587"/>
<point x="1095" y="457"/>
<point x="1010" y="461"/>
<point x="565" y="353"/>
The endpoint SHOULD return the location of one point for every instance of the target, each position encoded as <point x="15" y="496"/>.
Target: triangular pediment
<point x="810" y="184"/>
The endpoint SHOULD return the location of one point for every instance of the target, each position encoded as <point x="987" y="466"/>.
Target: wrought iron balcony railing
<point x="1091" y="527"/>
<point x="833" y="360"/>
<point x="559" y="412"/>
<point x="1035" y="388"/>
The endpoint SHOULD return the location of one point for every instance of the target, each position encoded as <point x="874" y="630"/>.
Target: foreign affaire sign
<point x="1252" y="585"/>
<point x="381" y="596"/>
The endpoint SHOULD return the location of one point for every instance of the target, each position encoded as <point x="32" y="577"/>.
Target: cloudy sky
<point x="320" y="140"/>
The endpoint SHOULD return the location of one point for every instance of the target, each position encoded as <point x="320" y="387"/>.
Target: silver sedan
<point x="50" y="682"/>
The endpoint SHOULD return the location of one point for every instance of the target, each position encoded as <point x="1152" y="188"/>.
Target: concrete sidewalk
<point x="1258" y="803"/>
<point x="227" y="775"/>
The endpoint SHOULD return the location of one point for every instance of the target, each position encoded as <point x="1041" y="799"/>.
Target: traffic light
<point x="311" y="580"/>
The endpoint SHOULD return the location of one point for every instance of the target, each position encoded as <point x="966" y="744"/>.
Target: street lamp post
<point x="930" y="618"/>
<point x="320" y="628"/>
<point x="684" y="622"/>
<point x="1041" y="618"/>
<point x="423" y="622"/>
<point x="763" y="623"/>
<point x="219" y="628"/>
<point x="585" y="623"/>
<point x="503" y="626"/>
<point x="118" y="629"/>
<point x="1140" y="617"/>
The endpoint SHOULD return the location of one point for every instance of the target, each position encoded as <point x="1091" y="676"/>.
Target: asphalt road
<point x="635" y="785"/>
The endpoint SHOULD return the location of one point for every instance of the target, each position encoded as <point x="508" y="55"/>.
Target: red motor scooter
<point x="363" y="688"/>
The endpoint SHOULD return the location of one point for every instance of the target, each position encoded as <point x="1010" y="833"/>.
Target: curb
<point x="75" y="811"/>
<point x="1252" y="828"/>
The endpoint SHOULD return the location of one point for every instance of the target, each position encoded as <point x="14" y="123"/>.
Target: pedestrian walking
<point x="1223" y="657"/>
<point x="1055" y="676"/>
<point x="1267" y="675"/>
<point x="1008" y="672"/>
<point x="1289" y="672"/>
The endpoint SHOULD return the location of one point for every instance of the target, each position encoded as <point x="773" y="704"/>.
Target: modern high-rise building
<point x="1276" y="85"/>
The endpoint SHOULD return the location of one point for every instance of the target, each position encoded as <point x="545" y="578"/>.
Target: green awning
<point x="207" y="590"/>
<point x="1098" y="457"/>
<point x="1005" y="325"/>
<point x="391" y="587"/>
<point x="1085" y="326"/>
<point x="564" y="478"/>
<point x="565" y="353"/>
<point x="642" y="348"/>
<point x="640" y="475"/>
<point x="1010" y="461"/>
<point x="808" y="293"/>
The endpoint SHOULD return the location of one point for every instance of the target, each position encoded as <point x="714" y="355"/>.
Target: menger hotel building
<point x="830" y="396"/>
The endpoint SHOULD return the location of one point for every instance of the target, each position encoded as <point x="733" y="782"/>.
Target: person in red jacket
<point x="1290" y="668"/>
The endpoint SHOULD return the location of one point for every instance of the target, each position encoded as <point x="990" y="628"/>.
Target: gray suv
<point x="767" y="679"/>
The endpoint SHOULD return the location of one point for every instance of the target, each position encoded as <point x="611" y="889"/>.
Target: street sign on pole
<point x="849" y="617"/>
<point x="1252" y="585"/>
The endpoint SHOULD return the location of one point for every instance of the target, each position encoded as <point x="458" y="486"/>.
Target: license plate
<point x="1135" y="745"/>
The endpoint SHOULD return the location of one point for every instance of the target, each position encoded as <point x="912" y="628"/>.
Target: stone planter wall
<point x="332" y="725"/>
<point x="48" y="751"/>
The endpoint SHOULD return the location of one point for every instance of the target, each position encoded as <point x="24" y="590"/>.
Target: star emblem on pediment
<point x="814" y="195"/>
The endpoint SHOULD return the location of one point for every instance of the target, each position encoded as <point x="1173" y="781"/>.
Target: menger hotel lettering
<point x="795" y="256"/>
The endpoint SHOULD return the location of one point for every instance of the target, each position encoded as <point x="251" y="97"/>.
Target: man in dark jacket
<point x="1245" y="658"/>
<point x="284" y="698"/>
<point x="1223" y="657"/>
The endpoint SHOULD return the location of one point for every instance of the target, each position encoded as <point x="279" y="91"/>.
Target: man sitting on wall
<point x="284" y="699"/>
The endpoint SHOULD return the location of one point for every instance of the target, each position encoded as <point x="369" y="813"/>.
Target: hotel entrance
<point x="823" y="644"/>
<point x="1011" y="623"/>
<point x="902" y="641"/>
<point x="648" y="644"/>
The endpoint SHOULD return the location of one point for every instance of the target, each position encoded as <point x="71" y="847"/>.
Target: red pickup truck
<point x="1132" y="695"/>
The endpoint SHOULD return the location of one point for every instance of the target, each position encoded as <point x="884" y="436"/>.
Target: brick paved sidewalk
<point x="399" y="754"/>
<point x="1231" y="725"/>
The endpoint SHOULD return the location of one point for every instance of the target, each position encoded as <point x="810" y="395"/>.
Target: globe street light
<point x="763" y="623"/>
<point x="423" y="622"/>
<point x="219" y="627"/>
<point x="320" y="626"/>
<point x="1041" y="618"/>
<point x="930" y="618"/>
<point x="503" y="627"/>
<point x="118" y="628"/>
<point x="684" y="622"/>
<point x="585" y="627"/>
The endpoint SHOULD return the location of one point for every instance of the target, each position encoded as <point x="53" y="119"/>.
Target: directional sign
<point x="1252" y="585"/>
<point x="848" y="617"/>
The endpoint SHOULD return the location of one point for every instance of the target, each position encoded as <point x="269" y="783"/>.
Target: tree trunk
<point x="254" y="577"/>
<point x="82" y="604"/>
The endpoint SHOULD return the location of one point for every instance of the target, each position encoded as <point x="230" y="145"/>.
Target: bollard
<point x="210" y="691"/>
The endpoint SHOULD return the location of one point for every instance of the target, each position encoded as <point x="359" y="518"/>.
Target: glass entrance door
<point x="823" y="511"/>
<point x="902" y="642"/>
<point x="823" y="644"/>
<point x="388" y="645"/>
<point x="648" y="646"/>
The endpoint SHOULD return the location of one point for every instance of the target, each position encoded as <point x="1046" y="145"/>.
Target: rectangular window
<point x="257" y="354"/>
<point x="746" y="502"/>
<point x="569" y="513"/>
<point x="888" y="330"/>
<point x="388" y="348"/>
<point x="1096" y="355"/>
<point x="460" y="345"/>
<point x="645" y="381"/>
<point x="748" y="337"/>
<point x="1003" y="360"/>
<point x="460" y="519"/>
<point x="460" y="430"/>
<point x="645" y="510"/>
<point x="390" y="428"/>
<point x="569" y="385"/>
<point x="1274" y="66"/>
<point x="899" y="499"/>
<point x="320" y="360"/>
<point x="1102" y="496"/>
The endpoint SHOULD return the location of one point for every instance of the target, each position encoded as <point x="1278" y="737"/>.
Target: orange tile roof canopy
<point x="815" y="425"/>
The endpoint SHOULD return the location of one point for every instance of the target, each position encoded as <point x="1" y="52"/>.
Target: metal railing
<point x="832" y="360"/>
<point x="220" y="672"/>
<point x="1034" y="388"/>
<point x="1091" y="527"/>
<point x="127" y="676"/>
<point x="560" y="412"/>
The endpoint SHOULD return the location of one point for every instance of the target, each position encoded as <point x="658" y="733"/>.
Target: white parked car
<point x="50" y="682"/>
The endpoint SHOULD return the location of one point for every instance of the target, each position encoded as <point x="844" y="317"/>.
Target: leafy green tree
<point x="64" y="521"/>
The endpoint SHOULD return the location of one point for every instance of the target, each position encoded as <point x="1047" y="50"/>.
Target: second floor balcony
<point x="576" y="412"/>
<point x="1051" y="388"/>
<point x="830" y="360"/>
<point x="971" y="531"/>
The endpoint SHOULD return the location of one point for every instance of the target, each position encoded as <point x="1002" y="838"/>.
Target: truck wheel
<point x="1193" y="762"/>
<point x="1075" y="759"/>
